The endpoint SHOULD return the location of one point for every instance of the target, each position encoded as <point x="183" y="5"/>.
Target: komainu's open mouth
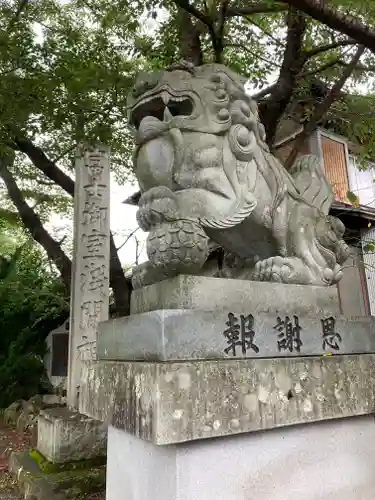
<point x="163" y="107"/>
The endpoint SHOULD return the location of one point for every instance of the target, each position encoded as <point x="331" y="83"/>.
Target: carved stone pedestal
<point x="170" y="380"/>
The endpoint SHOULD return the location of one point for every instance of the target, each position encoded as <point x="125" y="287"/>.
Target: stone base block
<point x="330" y="460"/>
<point x="222" y="294"/>
<point x="67" y="436"/>
<point x="174" y="402"/>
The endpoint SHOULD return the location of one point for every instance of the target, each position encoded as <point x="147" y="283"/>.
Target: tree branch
<point x="44" y="164"/>
<point x="263" y="93"/>
<point x="118" y="282"/>
<point x="266" y="32"/>
<point x="338" y="21"/>
<point x="219" y="31"/>
<point x="323" y="107"/>
<point x="256" y="8"/>
<point x="217" y="43"/>
<point x="64" y="153"/>
<point x="337" y="62"/>
<point x="120" y="285"/>
<point x="8" y="71"/>
<point x="358" y="67"/>
<point x="127" y="238"/>
<point x="185" y="4"/>
<point x="322" y="68"/>
<point x="21" y="7"/>
<point x="292" y="65"/>
<point x="190" y="44"/>
<point x="32" y="222"/>
<point x="325" y="48"/>
<point x="248" y="49"/>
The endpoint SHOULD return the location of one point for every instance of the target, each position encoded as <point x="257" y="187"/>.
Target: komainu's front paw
<point x="146" y="274"/>
<point x="285" y="270"/>
<point x="156" y="206"/>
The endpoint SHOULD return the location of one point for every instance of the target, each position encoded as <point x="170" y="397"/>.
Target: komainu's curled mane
<point x="208" y="178"/>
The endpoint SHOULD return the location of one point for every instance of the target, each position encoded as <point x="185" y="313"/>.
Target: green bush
<point x="32" y="303"/>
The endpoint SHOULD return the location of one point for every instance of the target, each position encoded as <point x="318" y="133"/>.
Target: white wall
<point x="369" y="265"/>
<point x="350" y="287"/>
<point x="361" y="182"/>
<point x="332" y="460"/>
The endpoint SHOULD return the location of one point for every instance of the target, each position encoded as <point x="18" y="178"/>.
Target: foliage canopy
<point x="66" y="68"/>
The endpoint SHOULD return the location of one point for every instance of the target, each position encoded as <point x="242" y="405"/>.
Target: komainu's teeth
<point x="165" y="96"/>
<point x="167" y="115"/>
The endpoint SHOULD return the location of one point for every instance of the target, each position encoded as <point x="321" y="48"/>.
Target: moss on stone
<point x="73" y="484"/>
<point x="50" y="468"/>
<point x="76" y="485"/>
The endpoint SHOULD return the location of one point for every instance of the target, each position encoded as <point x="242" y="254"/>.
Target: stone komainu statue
<point x="207" y="177"/>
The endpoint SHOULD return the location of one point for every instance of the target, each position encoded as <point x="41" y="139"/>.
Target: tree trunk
<point x="322" y="108"/>
<point x="32" y="222"/>
<point x="273" y="108"/>
<point x="120" y="285"/>
<point x="338" y="21"/>
<point x="190" y="44"/>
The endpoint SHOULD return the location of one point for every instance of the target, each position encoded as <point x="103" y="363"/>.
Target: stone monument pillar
<point x="90" y="280"/>
<point x="65" y="435"/>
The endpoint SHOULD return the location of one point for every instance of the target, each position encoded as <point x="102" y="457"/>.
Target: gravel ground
<point x="10" y="440"/>
<point x="13" y="440"/>
<point x="8" y="489"/>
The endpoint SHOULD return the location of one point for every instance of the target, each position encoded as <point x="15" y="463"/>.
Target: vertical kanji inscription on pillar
<point x="90" y="283"/>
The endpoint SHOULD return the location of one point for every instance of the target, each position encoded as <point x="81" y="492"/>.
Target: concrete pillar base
<point x="332" y="459"/>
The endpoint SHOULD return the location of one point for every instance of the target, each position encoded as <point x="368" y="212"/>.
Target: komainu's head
<point x="205" y="99"/>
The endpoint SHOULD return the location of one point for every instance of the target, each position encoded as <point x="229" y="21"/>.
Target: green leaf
<point x="66" y="68"/>
<point x="369" y="248"/>
<point x="353" y="198"/>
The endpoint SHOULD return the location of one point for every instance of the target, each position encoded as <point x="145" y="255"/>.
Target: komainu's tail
<point x="311" y="182"/>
